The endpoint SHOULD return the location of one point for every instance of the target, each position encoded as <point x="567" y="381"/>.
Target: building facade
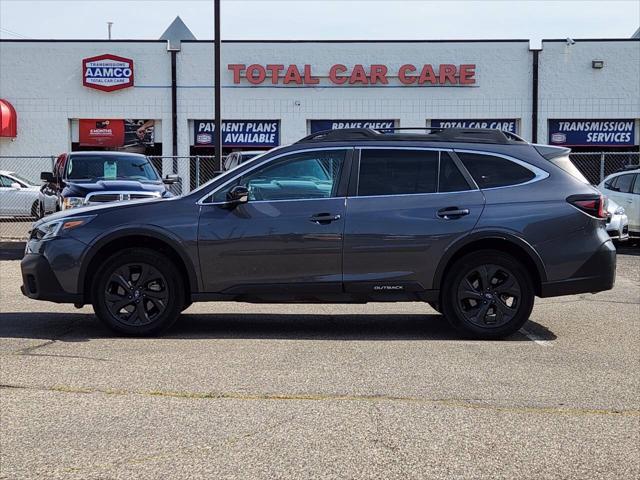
<point x="144" y="96"/>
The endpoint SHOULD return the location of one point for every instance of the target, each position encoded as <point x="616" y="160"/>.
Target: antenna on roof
<point x="109" y="25"/>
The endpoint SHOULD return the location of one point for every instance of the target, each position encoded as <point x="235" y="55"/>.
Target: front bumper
<point x="40" y="283"/>
<point x="597" y="274"/>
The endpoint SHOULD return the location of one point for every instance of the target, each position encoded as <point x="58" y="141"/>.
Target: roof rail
<point x="435" y="134"/>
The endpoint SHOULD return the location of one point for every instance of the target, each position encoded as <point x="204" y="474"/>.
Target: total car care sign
<point x="601" y="133"/>
<point x="445" y="74"/>
<point x="107" y="72"/>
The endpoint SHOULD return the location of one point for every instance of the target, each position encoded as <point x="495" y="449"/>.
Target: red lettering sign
<point x="339" y="74"/>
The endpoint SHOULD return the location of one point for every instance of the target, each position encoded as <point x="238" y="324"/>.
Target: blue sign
<point x="597" y="133"/>
<point x="238" y="133"/>
<point x="506" y="125"/>
<point x="320" y="125"/>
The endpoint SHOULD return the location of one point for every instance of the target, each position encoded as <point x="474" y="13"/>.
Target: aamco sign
<point x="107" y="72"/>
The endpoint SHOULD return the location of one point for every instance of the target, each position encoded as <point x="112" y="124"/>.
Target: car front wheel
<point x="138" y="292"/>
<point x="488" y="294"/>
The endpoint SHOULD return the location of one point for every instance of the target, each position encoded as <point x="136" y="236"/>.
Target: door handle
<point x="451" y="213"/>
<point x="324" y="218"/>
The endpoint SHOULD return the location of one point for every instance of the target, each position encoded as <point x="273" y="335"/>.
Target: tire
<point x="487" y="295"/>
<point x="435" y="306"/>
<point x="138" y="309"/>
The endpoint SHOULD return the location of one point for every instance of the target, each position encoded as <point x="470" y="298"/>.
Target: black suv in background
<point x="89" y="178"/>
<point x="475" y="222"/>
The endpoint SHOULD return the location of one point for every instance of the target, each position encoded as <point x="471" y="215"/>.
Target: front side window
<point x="5" y="181"/>
<point x="623" y="184"/>
<point x="110" y="167"/>
<point x="397" y="172"/>
<point x="636" y="186"/>
<point x="299" y="176"/>
<point x="490" y="171"/>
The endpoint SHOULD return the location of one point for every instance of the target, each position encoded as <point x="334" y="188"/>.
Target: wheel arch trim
<point x="154" y="232"/>
<point x="484" y="235"/>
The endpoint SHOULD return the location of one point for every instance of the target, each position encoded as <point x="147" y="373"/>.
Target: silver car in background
<point x="19" y="197"/>
<point x="617" y="222"/>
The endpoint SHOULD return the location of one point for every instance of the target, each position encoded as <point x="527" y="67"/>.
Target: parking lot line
<point x="536" y="338"/>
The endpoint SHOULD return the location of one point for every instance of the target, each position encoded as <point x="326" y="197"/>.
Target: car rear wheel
<point x="488" y="294"/>
<point x="138" y="292"/>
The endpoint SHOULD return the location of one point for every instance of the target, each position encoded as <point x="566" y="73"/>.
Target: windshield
<point x="110" y="167"/>
<point x="22" y="179"/>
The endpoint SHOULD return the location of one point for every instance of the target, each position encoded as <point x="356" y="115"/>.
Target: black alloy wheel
<point x="488" y="294"/>
<point x="136" y="294"/>
<point x="139" y="292"/>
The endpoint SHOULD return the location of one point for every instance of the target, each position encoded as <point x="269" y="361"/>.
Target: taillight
<point x="591" y="204"/>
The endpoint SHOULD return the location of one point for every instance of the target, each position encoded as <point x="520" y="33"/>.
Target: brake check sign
<point x="602" y="133"/>
<point x="107" y="72"/>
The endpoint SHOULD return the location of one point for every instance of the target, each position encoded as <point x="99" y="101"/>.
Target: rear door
<point x="409" y="204"/>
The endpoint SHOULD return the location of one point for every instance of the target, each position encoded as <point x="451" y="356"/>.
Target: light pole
<point x="217" y="90"/>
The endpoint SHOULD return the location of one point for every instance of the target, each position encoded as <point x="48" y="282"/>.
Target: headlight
<point x="72" y="202"/>
<point x="619" y="211"/>
<point x="55" y="228"/>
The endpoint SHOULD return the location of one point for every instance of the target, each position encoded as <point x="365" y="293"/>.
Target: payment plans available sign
<point x="601" y="133"/>
<point x="107" y="72"/>
<point x="239" y="133"/>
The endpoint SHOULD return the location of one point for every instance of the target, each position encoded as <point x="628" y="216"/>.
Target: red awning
<point x="8" y="119"/>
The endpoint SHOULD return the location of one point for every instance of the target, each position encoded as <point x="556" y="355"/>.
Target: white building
<point x="582" y="93"/>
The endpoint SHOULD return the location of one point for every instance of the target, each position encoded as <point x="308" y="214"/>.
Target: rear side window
<point x="451" y="179"/>
<point x="636" y="186"/>
<point x="397" y="172"/>
<point x="490" y="171"/>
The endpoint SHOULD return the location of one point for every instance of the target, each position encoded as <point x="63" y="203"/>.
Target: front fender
<point x="152" y="231"/>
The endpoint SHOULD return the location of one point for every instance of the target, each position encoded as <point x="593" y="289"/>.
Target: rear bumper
<point x="40" y="283"/>
<point x="596" y="275"/>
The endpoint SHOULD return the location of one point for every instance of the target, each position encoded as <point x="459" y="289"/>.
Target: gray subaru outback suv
<point x="474" y="222"/>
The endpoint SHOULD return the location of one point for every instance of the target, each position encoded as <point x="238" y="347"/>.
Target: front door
<point x="287" y="238"/>
<point x="409" y="206"/>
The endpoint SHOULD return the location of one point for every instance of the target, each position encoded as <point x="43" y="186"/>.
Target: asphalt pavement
<point x="322" y="391"/>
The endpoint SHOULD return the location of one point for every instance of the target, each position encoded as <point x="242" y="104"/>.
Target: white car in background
<point x="617" y="221"/>
<point x="624" y="188"/>
<point x="19" y="197"/>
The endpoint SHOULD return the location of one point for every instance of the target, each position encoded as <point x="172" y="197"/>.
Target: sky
<point x="323" y="19"/>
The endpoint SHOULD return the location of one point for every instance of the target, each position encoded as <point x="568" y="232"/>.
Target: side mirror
<point x="16" y="186"/>
<point x="46" y="177"/>
<point x="238" y="194"/>
<point x="171" y="179"/>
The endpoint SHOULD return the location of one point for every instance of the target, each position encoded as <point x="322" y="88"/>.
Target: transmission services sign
<point x="597" y="133"/>
<point x="316" y="126"/>
<point x="506" y="125"/>
<point x="107" y="72"/>
<point x="238" y="133"/>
